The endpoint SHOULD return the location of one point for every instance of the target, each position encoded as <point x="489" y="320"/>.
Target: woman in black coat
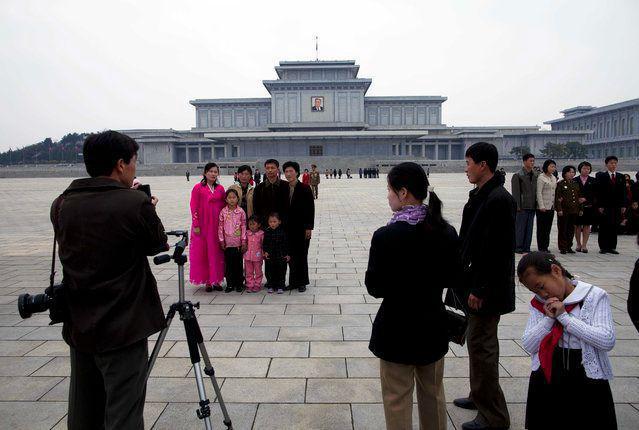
<point x="587" y="212"/>
<point x="411" y="261"/>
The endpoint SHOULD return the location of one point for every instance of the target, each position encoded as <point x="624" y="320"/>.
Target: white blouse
<point x="588" y="327"/>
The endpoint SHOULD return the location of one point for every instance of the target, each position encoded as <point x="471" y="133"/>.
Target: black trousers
<point x="275" y="271"/>
<point x="566" y="231"/>
<point x="107" y="390"/>
<point x="544" y="225"/>
<point x="233" y="271"/>
<point x="608" y="225"/>
<point x="483" y="357"/>
<point x="298" y="266"/>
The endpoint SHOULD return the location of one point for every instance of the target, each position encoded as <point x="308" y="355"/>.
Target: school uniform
<point x="572" y="374"/>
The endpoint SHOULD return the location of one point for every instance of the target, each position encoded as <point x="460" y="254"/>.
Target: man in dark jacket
<point x="298" y="208"/>
<point x="524" y="191"/>
<point x="105" y="231"/>
<point x="610" y="201"/>
<point x="267" y="195"/>
<point x="487" y="237"/>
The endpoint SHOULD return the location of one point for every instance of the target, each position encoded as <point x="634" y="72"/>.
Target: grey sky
<point x="79" y="66"/>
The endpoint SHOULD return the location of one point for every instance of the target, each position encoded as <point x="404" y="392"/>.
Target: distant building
<point x="318" y="110"/>
<point x="612" y="129"/>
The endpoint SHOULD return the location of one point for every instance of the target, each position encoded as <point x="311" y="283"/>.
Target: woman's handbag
<point x="456" y="319"/>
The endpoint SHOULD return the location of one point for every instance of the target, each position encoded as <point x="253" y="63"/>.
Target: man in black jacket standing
<point x="487" y="237"/>
<point x="611" y="202"/>
<point x="105" y="231"/>
<point x="267" y="194"/>
<point x="299" y="219"/>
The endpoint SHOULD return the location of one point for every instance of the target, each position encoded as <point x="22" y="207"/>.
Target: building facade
<point x="319" y="110"/>
<point x="612" y="129"/>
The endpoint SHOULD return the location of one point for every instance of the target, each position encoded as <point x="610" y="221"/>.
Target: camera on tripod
<point x="53" y="299"/>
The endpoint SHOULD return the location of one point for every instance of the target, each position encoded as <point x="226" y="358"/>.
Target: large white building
<point x="319" y="110"/>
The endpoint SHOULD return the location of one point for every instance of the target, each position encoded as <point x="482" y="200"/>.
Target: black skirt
<point x="571" y="400"/>
<point x="587" y="217"/>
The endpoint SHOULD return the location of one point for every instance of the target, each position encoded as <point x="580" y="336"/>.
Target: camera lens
<point x="28" y="304"/>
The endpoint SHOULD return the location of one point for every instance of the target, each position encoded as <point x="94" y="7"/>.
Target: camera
<point x="53" y="299"/>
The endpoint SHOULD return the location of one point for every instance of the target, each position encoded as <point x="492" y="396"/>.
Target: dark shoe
<point x="578" y="249"/>
<point x="613" y="251"/>
<point x="570" y="251"/>
<point x="465" y="403"/>
<point x="603" y="251"/>
<point x="239" y="288"/>
<point x="302" y="288"/>
<point x="562" y="252"/>
<point x="584" y="250"/>
<point x="208" y="289"/>
<point x="217" y="287"/>
<point x="228" y="289"/>
<point x="478" y="425"/>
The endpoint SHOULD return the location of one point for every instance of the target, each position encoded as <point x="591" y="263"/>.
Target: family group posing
<point x="418" y="254"/>
<point x="271" y="223"/>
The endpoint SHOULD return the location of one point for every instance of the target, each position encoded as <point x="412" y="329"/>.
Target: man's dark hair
<point x="547" y="163"/>
<point x="584" y="164"/>
<point x="272" y="161"/>
<point x="484" y="151"/>
<point x="611" y="157"/>
<point x="313" y="165"/>
<point x="527" y="157"/>
<point x="244" y="168"/>
<point x="101" y="151"/>
<point x="294" y="164"/>
<point x="567" y="169"/>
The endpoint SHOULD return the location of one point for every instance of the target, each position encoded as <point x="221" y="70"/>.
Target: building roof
<point x="382" y="99"/>
<point x="414" y="134"/>
<point x="594" y="111"/>
<point x="255" y="100"/>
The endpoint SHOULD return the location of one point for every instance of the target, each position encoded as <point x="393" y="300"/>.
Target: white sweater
<point x="593" y="327"/>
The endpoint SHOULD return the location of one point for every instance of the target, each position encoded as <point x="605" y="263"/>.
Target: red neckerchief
<point x="551" y="340"/>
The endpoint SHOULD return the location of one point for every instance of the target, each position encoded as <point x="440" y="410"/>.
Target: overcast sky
<point x="73" y="66"/>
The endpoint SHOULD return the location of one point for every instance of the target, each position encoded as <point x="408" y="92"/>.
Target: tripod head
<point x="178" y="254"/>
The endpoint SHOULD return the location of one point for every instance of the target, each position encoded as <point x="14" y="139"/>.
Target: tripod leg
<point x="159" y="342"/>
<point x="208" y="369"/>
<point x="193" y="337"/>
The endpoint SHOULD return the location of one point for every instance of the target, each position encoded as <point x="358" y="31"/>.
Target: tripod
<point x="194" y="338"/>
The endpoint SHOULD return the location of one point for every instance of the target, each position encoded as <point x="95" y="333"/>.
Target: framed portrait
<point x="317" y="104"/>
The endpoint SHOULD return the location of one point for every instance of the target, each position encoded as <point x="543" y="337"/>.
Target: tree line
<point x="66" y="150"/>
<point x="555" y="150"/>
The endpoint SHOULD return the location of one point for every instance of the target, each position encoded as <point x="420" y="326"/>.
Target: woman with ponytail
<point x="412" y="259"/>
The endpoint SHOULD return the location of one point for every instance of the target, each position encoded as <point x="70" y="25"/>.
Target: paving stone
<point x="303" y="417"/>
<point x="351" y="390"/>
<point x="182" y="416"/>
<point x="315" y="309"/>
<point x="214" y="349"/>
<point x="274" y="349"/>
<point x="246" y="333"/>
<point x="238" y="367"/>
<point x="24" y="388"/>
<point x="371" y="417"/>
<point x="21" y="366"/>
<point x="340" y="349"/>
<point x="307" y="368"/>
<point x="31" y="415"/>
<point x="359" y="309"/>
<point x="341" y="320"/>
<point x="310" y="333"/>
<point x="357" y="333"/>
<point x="16" y="348"/>
<point x="269" y="390"/>
<point x="282" y="321"/>
<point x="339" y="298"/>
<point x="258" y="309"/>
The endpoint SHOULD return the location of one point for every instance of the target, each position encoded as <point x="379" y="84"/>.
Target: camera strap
<point x="55" y="216"/>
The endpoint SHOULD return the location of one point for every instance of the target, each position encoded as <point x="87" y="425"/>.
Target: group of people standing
<point x="579" y="201"/>
<point x="271" y="222"/>
<point x="418" y="254"/>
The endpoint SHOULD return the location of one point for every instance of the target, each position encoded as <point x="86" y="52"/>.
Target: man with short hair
<point x="105" y="231"/>
<point x="524" y="191"/>
<point x="611" y="201"/>
<point x="487" y="237"/>
<point x="298" y="218"/>
<point x="244" y="189"/>
<point x="267" y="195"/>
<point x="315" y="181"/>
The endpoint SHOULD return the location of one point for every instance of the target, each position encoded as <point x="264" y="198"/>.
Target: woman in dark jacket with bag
<point x="412" y="259"/>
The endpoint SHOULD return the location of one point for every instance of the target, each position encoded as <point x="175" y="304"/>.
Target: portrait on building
<point x="317" y="104"/>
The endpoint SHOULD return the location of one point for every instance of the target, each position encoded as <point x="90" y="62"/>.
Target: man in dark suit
<point x="298" y="208"/>
<point x="610" y="200"/>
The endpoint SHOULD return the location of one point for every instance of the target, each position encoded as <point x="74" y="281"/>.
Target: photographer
<point x="105" y="231"/>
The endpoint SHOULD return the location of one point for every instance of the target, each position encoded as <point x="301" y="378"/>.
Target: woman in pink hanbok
<point x="206" y="256"/>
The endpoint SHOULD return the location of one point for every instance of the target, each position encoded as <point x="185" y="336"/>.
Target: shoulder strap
<point x="56" y="217"/>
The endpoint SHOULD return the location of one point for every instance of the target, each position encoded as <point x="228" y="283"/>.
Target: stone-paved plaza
<point x="293" y="361"/>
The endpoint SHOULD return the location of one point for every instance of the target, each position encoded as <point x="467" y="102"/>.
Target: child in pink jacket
<point x="232" y="236"/>
<point x="254" y="256"/>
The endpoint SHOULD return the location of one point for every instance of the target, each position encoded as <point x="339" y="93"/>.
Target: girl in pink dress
<point x="206" y="256"/>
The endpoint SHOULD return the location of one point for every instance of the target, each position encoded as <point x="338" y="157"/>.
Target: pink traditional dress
<point x="205" y="255"/>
